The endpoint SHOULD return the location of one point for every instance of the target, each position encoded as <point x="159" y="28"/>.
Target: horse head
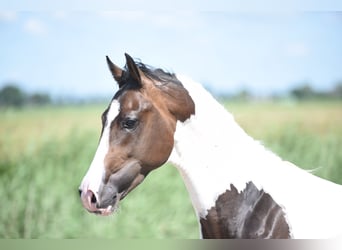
<point x="137" y="133"/>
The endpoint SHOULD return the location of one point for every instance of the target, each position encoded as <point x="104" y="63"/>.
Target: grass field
<point x="45" y="152"/>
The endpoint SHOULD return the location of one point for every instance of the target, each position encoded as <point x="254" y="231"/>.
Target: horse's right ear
<point x="115" y="70"/>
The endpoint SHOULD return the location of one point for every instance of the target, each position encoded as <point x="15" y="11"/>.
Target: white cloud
<point x="35" y="26"/>
<point x="8" y="16"/>
<point x="126" y="16"/>
<point x="60" y="15"/>
<point x="163" y="19"/>
<point x="297" y="50"/>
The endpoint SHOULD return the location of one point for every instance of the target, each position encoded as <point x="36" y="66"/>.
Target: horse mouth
<point x="98" y="209"/>
<point x="120" y="196"/>
<point x="110" y="209"/>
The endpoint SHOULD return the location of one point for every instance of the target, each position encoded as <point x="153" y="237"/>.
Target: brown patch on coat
<point x="250" y="214"/>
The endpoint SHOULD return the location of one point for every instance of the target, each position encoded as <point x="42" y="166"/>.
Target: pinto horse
<point x="238" y="188"/>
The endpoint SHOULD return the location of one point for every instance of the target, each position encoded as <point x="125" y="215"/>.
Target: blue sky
<point x="63" y="52"/>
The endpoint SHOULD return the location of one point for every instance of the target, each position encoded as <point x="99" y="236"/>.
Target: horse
<point x="238" y="188"/>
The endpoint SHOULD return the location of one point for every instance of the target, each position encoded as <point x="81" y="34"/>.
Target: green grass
<point x="45" y="152"/>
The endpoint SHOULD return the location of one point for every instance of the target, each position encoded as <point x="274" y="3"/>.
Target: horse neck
<point x="213" y="154"/>
<point x="212" y="151"/>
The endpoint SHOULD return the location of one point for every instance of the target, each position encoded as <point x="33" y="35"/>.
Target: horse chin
<point x="111" y="208"/>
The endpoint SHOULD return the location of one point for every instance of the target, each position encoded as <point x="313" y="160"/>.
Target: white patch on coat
<point x="95" y="174"/>
<point x="212" y="151"/>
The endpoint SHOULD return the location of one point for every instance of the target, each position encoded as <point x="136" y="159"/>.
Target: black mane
<point x="156" y="74"/>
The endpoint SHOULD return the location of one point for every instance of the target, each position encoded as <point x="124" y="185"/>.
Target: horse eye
<point x="129" y="123"/>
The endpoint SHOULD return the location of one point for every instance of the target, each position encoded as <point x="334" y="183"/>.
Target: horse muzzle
<point x="105" y="200"/>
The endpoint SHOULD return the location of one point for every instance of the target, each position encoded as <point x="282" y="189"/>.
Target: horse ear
<point x="115" y="70"/>
<point x="133" y="70"/>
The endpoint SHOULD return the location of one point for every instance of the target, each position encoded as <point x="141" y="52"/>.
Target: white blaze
<point x="93" y="178"/>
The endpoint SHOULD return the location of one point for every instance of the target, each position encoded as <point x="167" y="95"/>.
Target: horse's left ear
<point x="115" y="70"/>
<point x="133" y="69"/>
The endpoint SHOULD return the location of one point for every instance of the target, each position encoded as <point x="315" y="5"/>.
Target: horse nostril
<point x="88" y="195"/>
<point x="93" y="199"/>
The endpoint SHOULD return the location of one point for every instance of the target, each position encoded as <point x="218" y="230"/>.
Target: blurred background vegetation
<point x="46" y="146"/>
<point x="283" y="70"/>
<point x="11" y="95"/>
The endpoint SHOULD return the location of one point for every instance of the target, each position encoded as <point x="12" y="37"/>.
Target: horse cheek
<point x="157" y="151"/>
